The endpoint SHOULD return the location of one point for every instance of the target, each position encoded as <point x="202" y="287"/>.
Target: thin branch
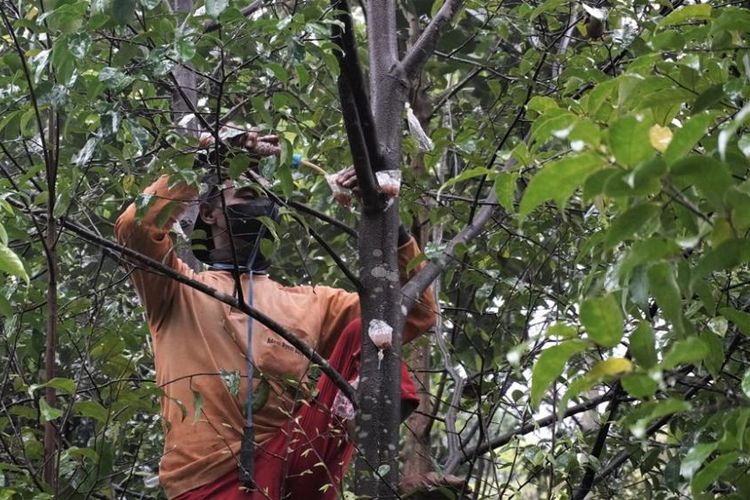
<point x="533" y="425"/>
<point x="417" y="56"/>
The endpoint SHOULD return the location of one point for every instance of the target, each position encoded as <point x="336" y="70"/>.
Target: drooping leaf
<point x="690" y="350"/>
<point x="695" y="458"/>
<point x="558" y="180"/>
<point x="10" y="263"/>
<point x="550" y="366"/>
<point x="629" y="222"/>
<point x="629" y="141"/>
<point x="712" y="472"/>
<point x="602" y="318"/>
<point x="686" y="137"/>
<point x="666" y="291"/>
<point x="642" y="345"/>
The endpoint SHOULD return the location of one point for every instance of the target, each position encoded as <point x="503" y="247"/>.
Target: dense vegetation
<point x="593" y="336"/>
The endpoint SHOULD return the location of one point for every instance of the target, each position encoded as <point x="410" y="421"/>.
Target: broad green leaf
<point x="541" y="104"/>
<point x="710" y="176"/>
<point x="10" y="263"/>
<point x="610" y="367"/>
<point x="639" y="385"/>
<point x="686" y="137"/>
<point x="185" y="48"/>
<point x="466" y="175"/>
<point x="562" y="330"/>
<point x="647" y="251"/>
<point x="550" y="366"/>
<point x="123" y="11"/>
<point x="739" y="318"/>
<point x="216" y="7"/>
<point x="663" y="286"/>
<point x="557" y="181"/>
<point x="48" y="412"/>
<point x="602" y="318"/>
<point x="687" y="13"/>
<point x="629" y="141"/>
<point x="91" y="409"/>
<point x="278" y="72"/>
<point x="687" y="351"/>
<point x="643" y="415"/>
<point x="695" y="458"/>
<point x="642" y="345"/>
<point x="505" y="190"/>
<point x="727" y="255"/>
<point x="65" y="385"/>
<point x="629" y="222"/>
<point x="711" y="472"/>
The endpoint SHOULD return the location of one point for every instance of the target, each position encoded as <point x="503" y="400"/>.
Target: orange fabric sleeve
<point x="149" y="235"/>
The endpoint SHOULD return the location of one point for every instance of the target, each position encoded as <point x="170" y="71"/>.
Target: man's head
<point x="226" y="209"/>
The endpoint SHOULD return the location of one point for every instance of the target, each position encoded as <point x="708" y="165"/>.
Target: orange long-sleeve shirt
<point x="196" y="339"/>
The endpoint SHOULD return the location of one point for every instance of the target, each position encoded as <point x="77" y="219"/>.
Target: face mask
<point x="247" y="232"/>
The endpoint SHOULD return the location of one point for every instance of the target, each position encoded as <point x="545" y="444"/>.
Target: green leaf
<point x="687" y="351"/>
<point x="466" y="175"/>
<point x="629" y="222"/>
<point x="549" y="367"/>
<point x="695" y="458"/>
<point x="665" y="290"/>
<point x="65" y="385"/>
<point x="48" y="412"/>
<point x="727" y="255"/>
<point x="278" y="72"/>
<point x="505" y="190"/>
<point x="562" y="330"/>
<point x="746" y="384"/>
<point x="197" y="405"/>
<point x="557" y="181"/>
<point x="541" y="104"/>
<point x="687" y="13"/>
<point x="739" y="318"/>
<point x="260" y="395"/>
<point x="602" y="318"/>
<point x="642" y="345"/>
<point x="216" y="7"/>
<point x="710" y="176"/>
<point x="629" y="141"/>
<point x="711" y="472"/>
<point x="639" y="385"/>
<point x="644" y="414"/>
<point x="123" y="11"/>
<point x="91" y="409"/>
<point x="11" y="264"/>
<point x="647" y="251"/>
<point x="685" y="138"/>
<point x="185" y="48"/>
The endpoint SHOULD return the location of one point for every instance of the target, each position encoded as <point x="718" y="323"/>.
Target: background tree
<point x="593" y="333"/>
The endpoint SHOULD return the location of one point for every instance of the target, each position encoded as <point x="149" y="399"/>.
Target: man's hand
<point x="347" y="179"/>
<point x="262" y="146"/>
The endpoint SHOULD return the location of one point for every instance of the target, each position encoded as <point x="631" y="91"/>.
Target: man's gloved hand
<point x="260" y="145"/>
<point x="347" y="179"/>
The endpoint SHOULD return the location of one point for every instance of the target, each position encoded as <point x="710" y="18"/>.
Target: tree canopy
<point x="584" y="205"/>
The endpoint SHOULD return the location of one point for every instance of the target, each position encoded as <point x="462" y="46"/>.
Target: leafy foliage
<point x="614" y="268"/>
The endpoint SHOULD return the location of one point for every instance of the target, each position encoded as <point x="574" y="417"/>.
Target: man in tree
<point x="200" y="347"/>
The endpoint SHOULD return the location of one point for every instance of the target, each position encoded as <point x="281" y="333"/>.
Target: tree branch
<point x="533" y="425"/>
<point x="417" y="56"/>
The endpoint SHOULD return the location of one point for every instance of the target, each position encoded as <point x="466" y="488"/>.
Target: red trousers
<point x="308" y="457"/>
